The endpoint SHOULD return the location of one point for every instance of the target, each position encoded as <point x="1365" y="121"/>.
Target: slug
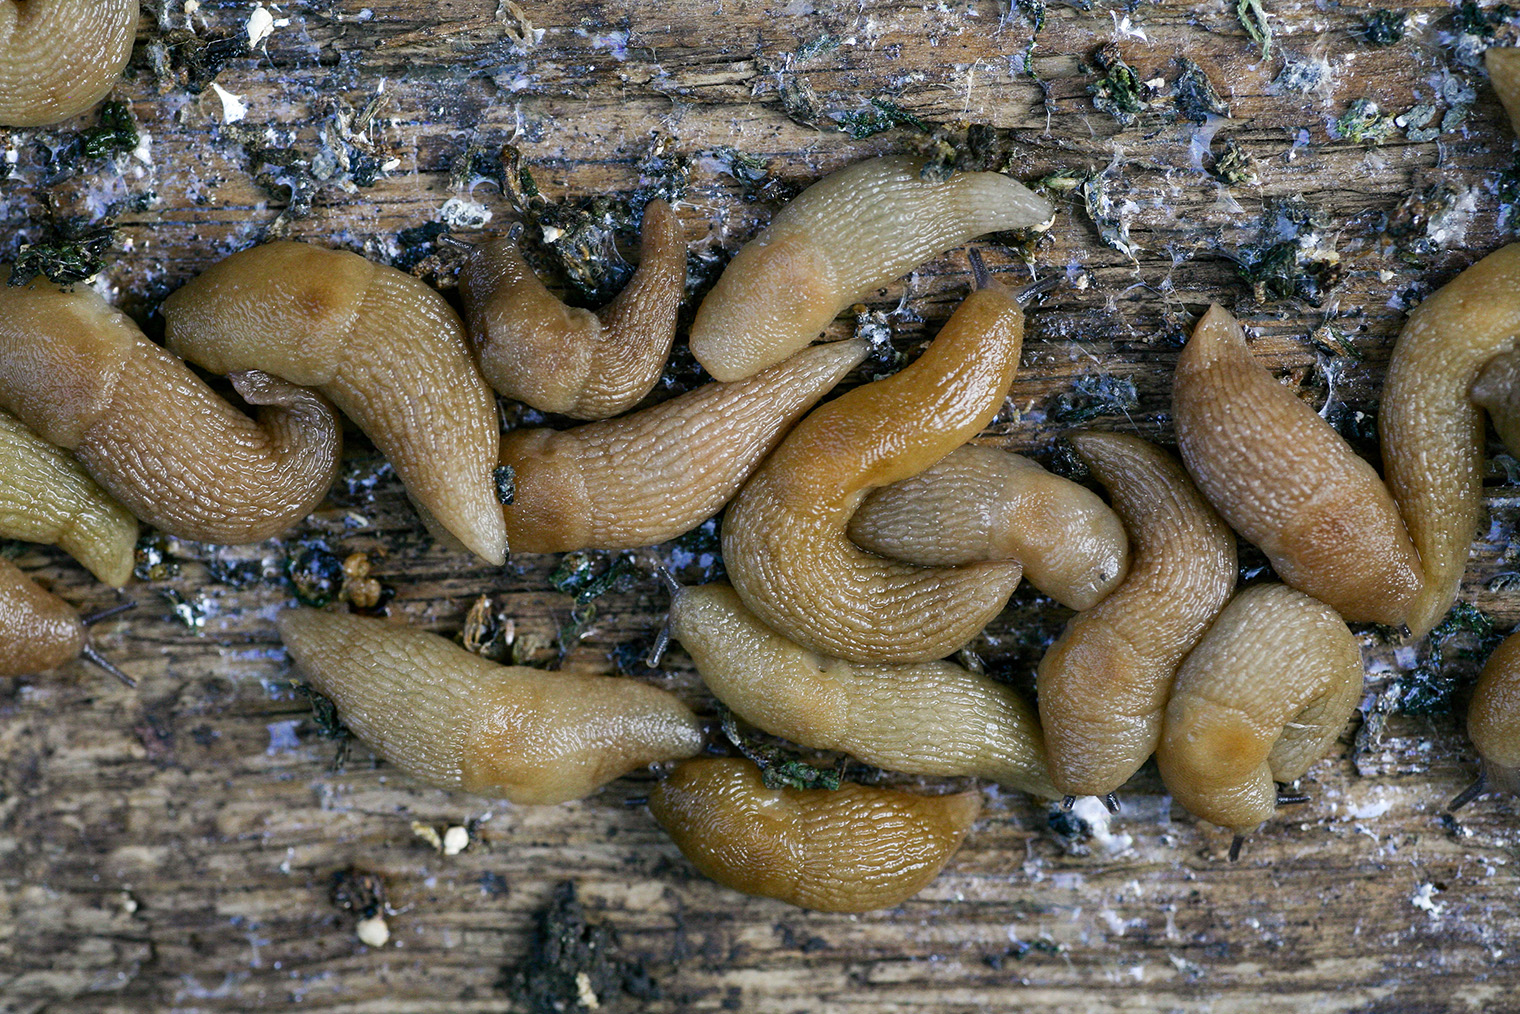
<point x="1286" y="481"/>
<point x="60" y="57"/>
<point x="835" y="244"/>
<point x="1503" y="64"/>
<point x="1103" y="684"/>
<point x="982" y="503"/>
<point x="40" y="631"/>
<point x="784" y="540"/>
<point x="388" y="351"/>
<point x="535" y="349"/>
<point x="48" y="497"/>
<point x="457" y="721"/>
<point x="1432" y="434"/>
<point x="1493" y="724"/>
<point x="1259" y="701"/>
<point x="1497" y="392"/>
<point x="80" y="375"/>
<point x="851" y="849"/>
<point x="651" y="476"/>
<point x="931" y="718"/>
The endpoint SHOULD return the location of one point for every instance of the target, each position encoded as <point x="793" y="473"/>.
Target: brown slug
<point x="535" y="349"/>
<point x="784" y="540"/>
<point x="455" y="720"/>
<point x="60" y="57"/>
<point x="1497" y="392"/>
<point x="1286" y="481"/>
<point x="656" y="474"/>
<point x="388" y="351"/>
<point x="1493" y="724"/>
<point x="1259" y="701"/>
<point x="842" y="238"/>
<point x="80" y="375"/>
<point x="1103" y="684"/>
<point x="982" y="503"/>
<point x="928" y="718"/>
<point x="40" y="631"/>
<point x="1503" y="65"/>
<point x="1432" y="433"/>
<point x="851" y="849"/>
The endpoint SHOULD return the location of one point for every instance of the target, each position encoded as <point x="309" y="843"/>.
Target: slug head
<point x="38" y="630"/>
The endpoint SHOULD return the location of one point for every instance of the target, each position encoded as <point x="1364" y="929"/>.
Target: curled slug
<point x="784" y="540"/>
<point x="930" y="718"/>
<point x="835" y="244"/>
<point x="1432" y="434"/>
<point x="388" y="351"/>
<point x="48" y="497"/>
<point x="455" y="720"/>
<point x="1503" y="63"/>
<point x="60" y="57"/>
<point x="852" y="849"/>
<point x="1259" y="701"/>
<point x="1493" y="723"/>
<point x="1285" y="480"/>
<point x="40" y="631"/>
<point x="534" y="348"/>
<point x="80" y="375"/>
<point x="982" y="503"/>
<point x="656" y="474"/>
<point x="1497" y="392"/>
<point x="1103" y="684"/>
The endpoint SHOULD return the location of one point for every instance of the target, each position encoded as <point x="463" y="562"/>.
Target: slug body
<point x="784" y="540"/>
<point x="1260" y="700"/>
<point x="981" y="503"/>
<point x="48" y="497"/>
<point x="1497" y="392"/>
<point x="1103" y="684"/>
<point x="852" y="849"/>
<point x="1432" y="434"/>
<point x="1503" y="64"/>
<point x="1284" y="479"/>
<point x="389" y="352"/>
<point x="60" y="57"/>
<point x="80" y="375"/>
<point x="534" y="348"/>
<point x="835" y="244"/>
<point x="457" y="721"/>
<point x="1493" y="718"/>
<point x="930" y="718"/>
<point x="653" y="475"/>
<point x="38" y="630"/>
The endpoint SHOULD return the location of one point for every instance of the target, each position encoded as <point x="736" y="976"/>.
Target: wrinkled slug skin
<point x="1432" y="435"/>
<point x="653" y="475"/>
<point x="784" y="540"/>
<point x="1103" y="684"/>
<point x="1286" y="481"/>
<point x="930" y="718"/>
<point x="1497" y="392"/>
<point x="38" y="630"/>
<point x="80" y="375"/>
<point x="1260" y="700"/>
<point x="1503" y="63"/>
<point x="48" y="497"/>
<point x="388" y="351"/>
<point x="535" y="349"/>
<point x="853" y="849"/>
<point x="835" y="244"/>
<point x="458" y="721"/>
<point x="981" y="503"/>
<point x="1493" y="717"/>
<point x="60" y="57"/>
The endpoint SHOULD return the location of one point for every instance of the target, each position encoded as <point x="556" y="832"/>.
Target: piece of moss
<point x="115" y="134"/>
<point x="1384" y="27"/>
<point x="1194" y="95"/>
<point x="1253" y="18"/>
<point x="1118" y="91"/>
<point x="71" y="250"/>
<point x="590" y="575"/>
<point x="1364" y="123"/>
<point x="1234" y="165"/>
<point x="880" y="116"/>
<point x="779" y="768"/>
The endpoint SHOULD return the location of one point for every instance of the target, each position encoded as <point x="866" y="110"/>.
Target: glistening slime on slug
<point x="60" y="57"/>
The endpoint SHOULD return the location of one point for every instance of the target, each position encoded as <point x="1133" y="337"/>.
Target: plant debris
<point x="1294" y="259"/>
<point x="1092" y="396"/>
<point x="1426" y="222"/>
<point x="779" y="767"/>
<point x="182" y="59"/>
<point x="1194" y="95"/>
<point x="1111" y="220"/>
<point x="1119" y="91"/>
<point x="71" y="250"/>
<point x="1364" y="123"/>
<point x="882" y="115"/>
<point x="1466" y="635"/>
<point x="574" y="964"/>
<point x="1384" y="27"/>
<point x="1253" y="18"/>
<point x="590" y="575"/>
<point x="316" y="576"/>
<point x="1234" y="166"/>
<point x="116" y="133"/>
<point x="151" y="560"/>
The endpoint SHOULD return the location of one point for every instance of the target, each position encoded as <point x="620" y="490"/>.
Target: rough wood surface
<point x="172" y="847"/>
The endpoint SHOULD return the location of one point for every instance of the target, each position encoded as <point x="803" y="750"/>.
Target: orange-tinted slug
<point x="60" y="57"/>
<point x="1493" y="723"/>
<point x="40" y="631"/>
<point x="1503" y="64"/>
<point x="1497" y="392"/>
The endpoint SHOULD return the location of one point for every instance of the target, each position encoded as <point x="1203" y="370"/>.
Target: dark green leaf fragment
<point x="70" y="251"/>
<point x="779" y="769"/>
<point x="1194" y="94"/>
<point x="1119" y="91"/>
<point x="116" y="133"/>
<point x="1384" y="27"/>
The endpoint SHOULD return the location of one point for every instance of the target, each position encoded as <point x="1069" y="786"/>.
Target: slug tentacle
<point x="982" y="503"/>
<point x="929" y="718"/>
<point x="1286" y="481"/>
<point x="80" y="375"/>
<point x="1103" y="684"/>
<point x="656" y="474"/>
<point x="784" y="540"/>
<point x="1493" y="723"/>
<point x="1432" y="434"/>
<point x="507" y="732"/>
<point x="534" y="348"/>
<point x="60" y="57"/>
<point x="389" y="352"/>
<point x="1259" y="701"/>
<point x="835" y="244"/>
<point x="851" y="849"/>
<point x="40" y="631"/>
